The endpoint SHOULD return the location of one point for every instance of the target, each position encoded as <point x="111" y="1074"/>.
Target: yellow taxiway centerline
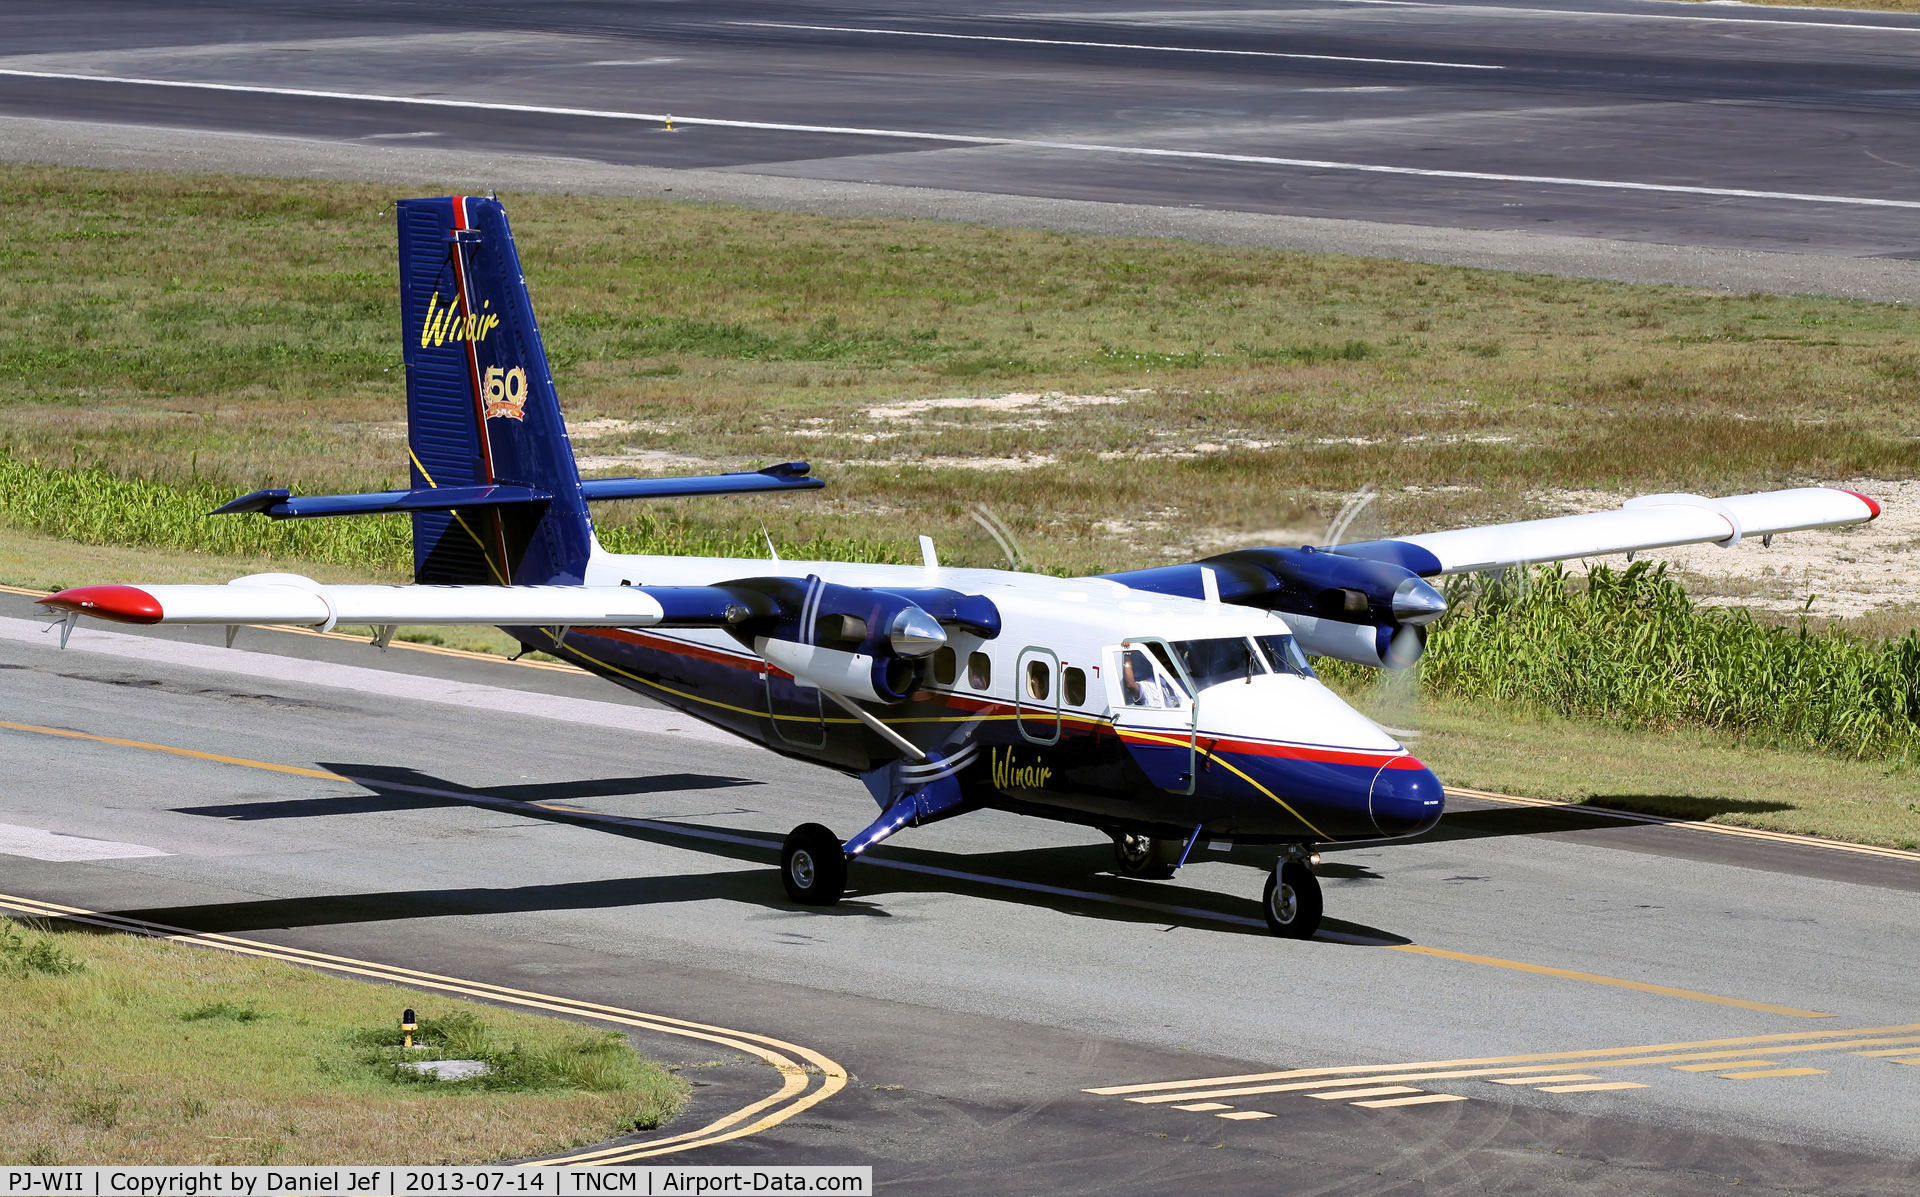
<point x="792" y="1097"/>
<point x="1598" y="1057"/>
<point x="1618" y="982"/>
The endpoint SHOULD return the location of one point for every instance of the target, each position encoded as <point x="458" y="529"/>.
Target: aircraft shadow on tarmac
<point x="393" y="799"/>
<point x="999" y="876"/>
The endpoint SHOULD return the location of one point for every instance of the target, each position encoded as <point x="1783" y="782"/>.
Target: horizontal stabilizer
<point x="790" y="475"/>
<point x="284" y="505"/>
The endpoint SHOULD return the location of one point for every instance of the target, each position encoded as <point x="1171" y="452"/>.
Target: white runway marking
<point x="1013" y="142"/>
<point x="614" y="716"/>
<point x="36" y="844"/>
<point x="1790" y="22"/>
<point x="1051" y="41"/>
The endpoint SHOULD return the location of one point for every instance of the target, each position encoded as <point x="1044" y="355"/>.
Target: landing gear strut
<point x="1292" y="901"/>
<point x="813" y="866"/>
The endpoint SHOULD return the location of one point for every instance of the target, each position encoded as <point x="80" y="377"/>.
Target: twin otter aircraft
<point x="1163" y="706"/>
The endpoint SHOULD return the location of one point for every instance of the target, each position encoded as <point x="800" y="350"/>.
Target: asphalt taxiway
<point x="1527" y="999"/>
<point x="1571" y="136"/>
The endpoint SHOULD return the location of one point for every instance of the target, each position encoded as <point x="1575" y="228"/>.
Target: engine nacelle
<point x="885" y="680"/>
<point x="1361" y="643"/>
<point x="1349" y="608"/>
<point x="851" y="640"/>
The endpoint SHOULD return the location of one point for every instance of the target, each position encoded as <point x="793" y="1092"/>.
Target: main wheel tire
<point x="1292" y="901"/>
<point x="813" y="866"/>
<point x="1144" y="857"/>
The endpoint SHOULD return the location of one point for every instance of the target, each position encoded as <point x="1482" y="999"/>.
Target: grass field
<point x="197" y="1057"/>
<point x="176" y="340"/>
<point x="234" y="333"/>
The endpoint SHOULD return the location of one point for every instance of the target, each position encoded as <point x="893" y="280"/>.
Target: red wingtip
<point x="122" y="604"/>
<point x="1871" y="505"/>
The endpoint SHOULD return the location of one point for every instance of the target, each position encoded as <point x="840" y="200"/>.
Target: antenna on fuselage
<point x="766" y="536"/>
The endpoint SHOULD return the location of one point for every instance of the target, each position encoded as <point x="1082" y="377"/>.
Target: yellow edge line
<point x="1630" y="816"/>
<point x="1597" y="979"/>
<point x="794" y="1078"/>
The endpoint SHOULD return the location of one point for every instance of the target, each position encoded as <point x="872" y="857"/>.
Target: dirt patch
<point x="1849" y="571"/>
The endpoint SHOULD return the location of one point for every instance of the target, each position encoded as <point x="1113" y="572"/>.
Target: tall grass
<point x="93" y="505"/>
<point x="1631" y="647"/>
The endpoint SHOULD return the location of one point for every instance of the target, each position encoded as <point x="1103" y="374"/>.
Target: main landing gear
<point x="813" y="866"/>
<point x="1292" y="901"/>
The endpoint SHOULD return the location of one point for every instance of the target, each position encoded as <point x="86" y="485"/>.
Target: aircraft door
<point x="1036" y="695"/>
<point x="794" y="708"/>
<point x="1154" y="711"/>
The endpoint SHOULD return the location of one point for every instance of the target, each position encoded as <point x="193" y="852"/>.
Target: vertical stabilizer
<point x="481" y="407"/>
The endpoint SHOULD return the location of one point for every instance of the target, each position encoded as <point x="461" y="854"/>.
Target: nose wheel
<point x="813" y="866"/>
<point x="1145" y="857"/>
<point x="1292" y="901"/>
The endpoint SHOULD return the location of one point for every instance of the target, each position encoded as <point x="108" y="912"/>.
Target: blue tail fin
<point x="481" y="408"/>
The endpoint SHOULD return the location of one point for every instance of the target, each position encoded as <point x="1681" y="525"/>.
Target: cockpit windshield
<point x="1283" y="653"/>
<point x="1211" y="662"/>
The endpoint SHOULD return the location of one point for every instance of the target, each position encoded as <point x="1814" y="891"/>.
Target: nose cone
<point x="915" y="633"/>
<point x="1406" y="801"/>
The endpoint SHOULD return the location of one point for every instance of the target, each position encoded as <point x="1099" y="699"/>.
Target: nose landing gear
<point x="1292" y="901"/>
<point x="1145" y="857"/>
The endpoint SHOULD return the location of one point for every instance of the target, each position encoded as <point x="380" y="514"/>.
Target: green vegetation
<point x="587" y="1062"/>
<point x="1631" y="647"/>
<point x="22" y="954"/>
<point x="290" y="1067"/>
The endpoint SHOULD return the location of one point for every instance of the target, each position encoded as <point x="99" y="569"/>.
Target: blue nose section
<point x="1406" y="801"/>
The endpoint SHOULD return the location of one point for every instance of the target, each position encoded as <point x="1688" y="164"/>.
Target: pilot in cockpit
<point x="1142" y="685"/>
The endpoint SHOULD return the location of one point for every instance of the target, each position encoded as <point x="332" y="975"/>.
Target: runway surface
<point x="1527" y="999"/>
<point x="1737" y="127"/>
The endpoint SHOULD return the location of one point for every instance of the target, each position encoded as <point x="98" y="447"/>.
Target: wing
<point x="855" y="641"/>
<point x="302" y="602"/>
<point x="1650" y="522"/>
<point x="1369" y="602"/>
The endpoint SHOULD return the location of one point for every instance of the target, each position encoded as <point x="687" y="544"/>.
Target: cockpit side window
<point x="1149" y="683"/>
<point x="1283" y="654"/>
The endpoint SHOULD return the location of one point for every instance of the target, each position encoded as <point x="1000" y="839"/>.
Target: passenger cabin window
<point x="1073" y="686"/>
<point x="1148" y="684"/>
<point x="979" y="671"/>
<point x="1039" y="679"/>
<point x="946" y="666"/>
